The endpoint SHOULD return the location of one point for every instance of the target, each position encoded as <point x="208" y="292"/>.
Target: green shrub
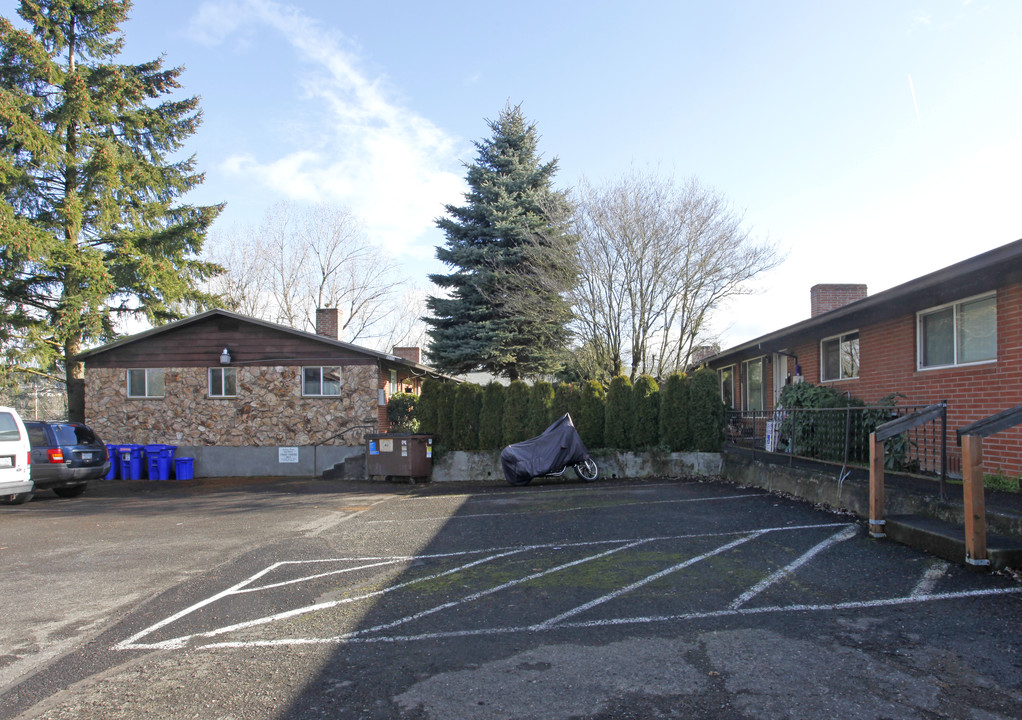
<point x="674" y="430"/>
<point x="645" y="418"/>
<point x="445" y="414"/>
<point x="541" y="406"/>
<point x="516" y="412"/>
<point x="617" y="413"/>
<point x="705" y="411"/>
<point x="467" y="406"/>
<point x="491" y="417"/>
<point x="428" y="408"/>
<point x="590" y="418"/>
<point x="816" y="434"/>
<point x="566" y="400"/>
<point x="401" y="413"/>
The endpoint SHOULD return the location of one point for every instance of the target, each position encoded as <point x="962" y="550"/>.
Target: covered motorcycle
<point x="548" y="454"/>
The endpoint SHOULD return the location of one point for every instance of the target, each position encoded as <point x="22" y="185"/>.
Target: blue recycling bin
<point x="114" y="462"/>
<point x="131" y="462"/>
<point x="184" y="468"/>
<point x="166" y="461"/>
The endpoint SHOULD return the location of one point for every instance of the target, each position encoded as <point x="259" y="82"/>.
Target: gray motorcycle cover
<point x="558" y="447"/>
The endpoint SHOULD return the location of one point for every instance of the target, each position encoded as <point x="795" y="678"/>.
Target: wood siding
<point x="200" y="344"/>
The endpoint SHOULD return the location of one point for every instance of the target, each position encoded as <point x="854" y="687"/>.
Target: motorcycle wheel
<point x="587" y="470"/>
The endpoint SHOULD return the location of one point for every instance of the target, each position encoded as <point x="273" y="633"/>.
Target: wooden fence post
<point x="876" y="487"/>
<point x="975" y="503"/>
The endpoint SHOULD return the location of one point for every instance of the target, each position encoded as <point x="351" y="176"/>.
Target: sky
<point x="871" y="142"/>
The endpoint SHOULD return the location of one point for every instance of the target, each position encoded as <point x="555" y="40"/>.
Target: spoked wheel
<point x="587" y="470"/>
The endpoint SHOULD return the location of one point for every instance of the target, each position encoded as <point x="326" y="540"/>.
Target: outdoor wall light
<point x="225" y="357"/>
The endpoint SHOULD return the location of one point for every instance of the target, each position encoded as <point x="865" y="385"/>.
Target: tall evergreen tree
<point x="90" y="224"/>
<point x="512" y="261"/>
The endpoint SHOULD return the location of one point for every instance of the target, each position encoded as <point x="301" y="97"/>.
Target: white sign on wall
<point x="287" y="455"/>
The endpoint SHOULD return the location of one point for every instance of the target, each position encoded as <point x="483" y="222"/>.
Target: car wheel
<point x="18" y="499"/>
<point x="70" y="492"/>
<point x="587" y="470"/>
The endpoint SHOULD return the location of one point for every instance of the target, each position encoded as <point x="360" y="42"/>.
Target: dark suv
<point x="65" y="456"/>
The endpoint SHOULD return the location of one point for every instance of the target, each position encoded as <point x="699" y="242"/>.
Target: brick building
<point x="955" y="335"/>
<point x="232" y="391"/>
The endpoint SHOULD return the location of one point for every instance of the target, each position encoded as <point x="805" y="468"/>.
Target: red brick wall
<point x="887" y="364"/>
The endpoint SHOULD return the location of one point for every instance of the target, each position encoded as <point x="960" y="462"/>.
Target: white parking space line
<point x="922" y="592"/>
<point x="646" y="580"/>
<point x="846" y="534"/>
<point x="930" y="578"/>
<point x="579" y="508"/>
<point x="709" y="615"/>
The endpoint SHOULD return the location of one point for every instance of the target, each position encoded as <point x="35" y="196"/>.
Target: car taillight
<point x="55" y="455"/>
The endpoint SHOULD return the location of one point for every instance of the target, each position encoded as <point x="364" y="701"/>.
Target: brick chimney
<point x="825" y="298"/>
<point x="413" y="354"/>
<point x="328" y="323"/>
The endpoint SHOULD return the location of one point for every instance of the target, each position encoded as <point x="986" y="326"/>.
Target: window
<point x="839" y="357"/>
<point x="755" y="385"/>
<point x="146" y="382"/>
<point x="727" y="385"/>
<point x="223" y="382"/>
<point x="321" y="381"/>
<point x="961" y="333"/>
<point x="393" y="382"/>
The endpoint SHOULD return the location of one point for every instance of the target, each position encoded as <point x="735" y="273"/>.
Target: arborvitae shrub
<point x="644" y="428"/>
<point x="467" y="405"/>
<point x="706" y="411"/>
<point x="674" y="430"/>
<point x="491" y="417"/>
<point x="566" y="400"/>
<point x="445" y="413"/>
<point x="516" y="413"/>
<point x="618" y="411"/>
<point x="590" y="418"/>
<point x="541" y="406"/>
<point x="401" y="413"/>
<point x="428" y="408"/>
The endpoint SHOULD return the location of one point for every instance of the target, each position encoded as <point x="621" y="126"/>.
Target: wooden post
<point x="876" y="487"/>
<point x="975" y="504"/>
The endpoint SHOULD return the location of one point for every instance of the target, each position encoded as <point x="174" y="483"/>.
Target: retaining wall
<point x="820" y="483"/>
<point x="475" y="466"/>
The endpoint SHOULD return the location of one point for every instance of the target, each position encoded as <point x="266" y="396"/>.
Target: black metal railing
<point x="841" y="435"/>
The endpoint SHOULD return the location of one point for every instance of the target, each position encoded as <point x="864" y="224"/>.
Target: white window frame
<point x="954" y="332"/>
<point x="340" y="383"/>
<point x="223" y="382"/>
<point x="148" y="372"/>
<point x="394" y="387"/>
<point x="840" y="349"/>
<point x="720" y="381"/>
<point x="762" y="387"/>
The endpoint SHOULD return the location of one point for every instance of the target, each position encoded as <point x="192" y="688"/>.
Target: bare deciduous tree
<point x="300" y="259"/>
<point x="655" y="260"/>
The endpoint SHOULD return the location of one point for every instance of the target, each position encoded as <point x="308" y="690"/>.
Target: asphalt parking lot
<point x="668" y="598"/>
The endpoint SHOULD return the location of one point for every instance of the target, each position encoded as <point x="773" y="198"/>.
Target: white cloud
<point x="392" y="167"/>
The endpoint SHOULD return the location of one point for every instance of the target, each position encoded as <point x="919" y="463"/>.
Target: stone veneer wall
<point x="268" y="411"/>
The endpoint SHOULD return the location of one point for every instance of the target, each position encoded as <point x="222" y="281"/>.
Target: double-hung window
<point x="223" y="382"/>
<point x="960" y="333"/>
<point x="321" y="381"/>
<point x="839" y="357"/>
<point x="145" y="382"/>
<point x="755" y="384"/>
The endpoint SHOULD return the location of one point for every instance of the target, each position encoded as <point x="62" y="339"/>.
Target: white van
<point x="15" y="455"/>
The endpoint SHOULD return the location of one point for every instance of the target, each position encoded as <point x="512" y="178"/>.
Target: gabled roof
<point x="982" y="273"/>
<point x="216" y="312"/>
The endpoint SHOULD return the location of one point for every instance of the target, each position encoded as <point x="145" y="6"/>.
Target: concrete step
<point x="947" y="540"/>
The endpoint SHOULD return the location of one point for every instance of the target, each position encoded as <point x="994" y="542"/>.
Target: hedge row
<point x="685" y="414"/>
